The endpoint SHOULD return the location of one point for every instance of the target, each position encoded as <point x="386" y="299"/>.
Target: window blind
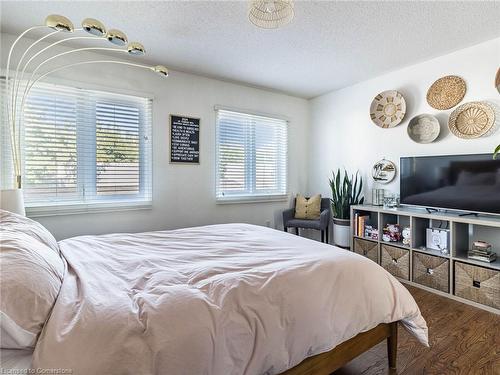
<point x="86" y="149"/>
<point x="251" y="156"/>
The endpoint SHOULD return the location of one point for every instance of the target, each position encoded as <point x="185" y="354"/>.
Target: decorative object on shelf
<point x="482" y="251"/>
<point x="406" y="234"/>
<point x="472" y="120"/>
<point x="384" y="171"/>
<point x="438" y="239"/>
<point x="446" y="92"/>
<point x="497" y="80"/>
<point x="388" y="109"/>
<point x="270" y="14"/>
<point x="424" y="128"/>
<point x="378" y="196"/>
<point x="345" y="193"/>
<point x="391" y="200"/>
<point x="391" y="233"/>
<point x="371" y="232"/>
<point x="18" y="86"/>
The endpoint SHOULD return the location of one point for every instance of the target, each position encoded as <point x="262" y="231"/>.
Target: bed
<point x="219" y="299"/>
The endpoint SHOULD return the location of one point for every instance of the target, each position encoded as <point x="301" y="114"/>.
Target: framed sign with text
<point x="184" y="139"/>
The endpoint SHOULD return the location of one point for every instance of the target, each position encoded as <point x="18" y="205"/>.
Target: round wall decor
<point x="446" y="92"/>
<point x="497" y="80"/>
<point x="384" y="171"/>
<point x="388" y="109"/>
<point x="424" y="128"/>
<point x="471" y="120"/>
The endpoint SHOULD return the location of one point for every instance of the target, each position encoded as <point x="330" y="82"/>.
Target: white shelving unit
<point x="463" y="231"/>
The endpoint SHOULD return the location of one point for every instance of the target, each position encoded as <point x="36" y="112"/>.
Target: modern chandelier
<point x="18" y="88"/>
<point x="270" y="14"/>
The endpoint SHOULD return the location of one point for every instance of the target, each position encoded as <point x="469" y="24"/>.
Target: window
<point x="251" y="157"/>
<point x="85" y="149"/>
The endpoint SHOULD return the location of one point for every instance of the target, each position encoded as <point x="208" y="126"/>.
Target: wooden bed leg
<point x="392" y="345"/>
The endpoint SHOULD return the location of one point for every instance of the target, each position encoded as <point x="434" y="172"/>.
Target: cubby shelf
<point x="463" y="231"/>
<point x="493" y="265"/>
<point x="433" y="252"/>
<point x="366" y="238"/>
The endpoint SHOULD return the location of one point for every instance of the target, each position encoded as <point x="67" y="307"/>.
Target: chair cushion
<point x="307" y="208"/>
<point x="304" y="223"/>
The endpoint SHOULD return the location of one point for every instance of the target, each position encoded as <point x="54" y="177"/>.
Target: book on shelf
<point x="483" y="258"/>
<point x="362" y="221"/>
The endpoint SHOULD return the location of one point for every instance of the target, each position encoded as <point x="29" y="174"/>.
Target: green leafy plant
<point x="345" y="193"/>
<point x="496" y="152"/>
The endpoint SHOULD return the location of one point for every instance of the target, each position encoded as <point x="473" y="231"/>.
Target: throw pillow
<point x="308" y="208"/>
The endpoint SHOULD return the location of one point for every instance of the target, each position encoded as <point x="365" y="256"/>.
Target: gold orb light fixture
<point x="18" y="88"/>
<point x="59" y="23"/>
<point x="116" y="37"/>
<point x="136" y="48"/>
<point x="94" y="27"/>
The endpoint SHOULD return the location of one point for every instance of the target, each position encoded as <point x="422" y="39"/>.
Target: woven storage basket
<point x="396" y="261"/>
<point x="477" y="284"/>
<point x="367" y="248"/>
<point x="431" y="271"/>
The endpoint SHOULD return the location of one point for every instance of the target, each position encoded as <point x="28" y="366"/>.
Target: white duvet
<point x="221" y="299"/>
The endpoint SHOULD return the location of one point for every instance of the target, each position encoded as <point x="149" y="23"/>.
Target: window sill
<point x="252" y="199"/>
<point x="85" y="208"/>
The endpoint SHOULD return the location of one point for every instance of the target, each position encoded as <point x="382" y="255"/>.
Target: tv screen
<point x="459" y="182"/>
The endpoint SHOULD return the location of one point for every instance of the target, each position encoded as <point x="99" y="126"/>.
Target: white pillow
<point x="31" y="277"/>
<point x="15" y="222"/>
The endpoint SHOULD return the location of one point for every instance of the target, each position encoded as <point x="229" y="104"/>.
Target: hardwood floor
<point x="463" y="340"/>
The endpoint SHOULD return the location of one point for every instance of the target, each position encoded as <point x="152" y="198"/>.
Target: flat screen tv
<point x="458" y="182"/>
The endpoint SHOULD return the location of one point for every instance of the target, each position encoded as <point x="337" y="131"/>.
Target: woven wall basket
<point x="388" y="109"/>
<point x="472" y="120"/>
<point x="446" y="92"/>
<point x="497" y="80"/>
<point x="423" y="128"/>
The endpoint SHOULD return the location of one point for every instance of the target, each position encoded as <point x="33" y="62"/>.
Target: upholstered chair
<point x="320" y="224"/>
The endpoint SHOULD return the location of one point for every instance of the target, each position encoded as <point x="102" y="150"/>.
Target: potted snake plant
<point x="497" y="151"/>
<point x="346" y="191"/>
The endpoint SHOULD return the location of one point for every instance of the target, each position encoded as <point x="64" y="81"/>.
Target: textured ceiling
<point x="329" y="45"/>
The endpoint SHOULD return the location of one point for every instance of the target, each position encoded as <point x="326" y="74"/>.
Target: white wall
<point x="343" y="135"/>
<point x="184" y="195"/>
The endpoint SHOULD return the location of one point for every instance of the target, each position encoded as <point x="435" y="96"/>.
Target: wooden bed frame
<point x="326" y="363"/>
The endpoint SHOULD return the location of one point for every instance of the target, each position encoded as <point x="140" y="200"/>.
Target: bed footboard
<point x="326" y="363"/>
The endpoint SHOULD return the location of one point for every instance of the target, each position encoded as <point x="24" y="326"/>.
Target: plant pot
<point x="341" y="232"/>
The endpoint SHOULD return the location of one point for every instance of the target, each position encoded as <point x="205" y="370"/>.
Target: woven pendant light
<point x="270" y="14"/>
